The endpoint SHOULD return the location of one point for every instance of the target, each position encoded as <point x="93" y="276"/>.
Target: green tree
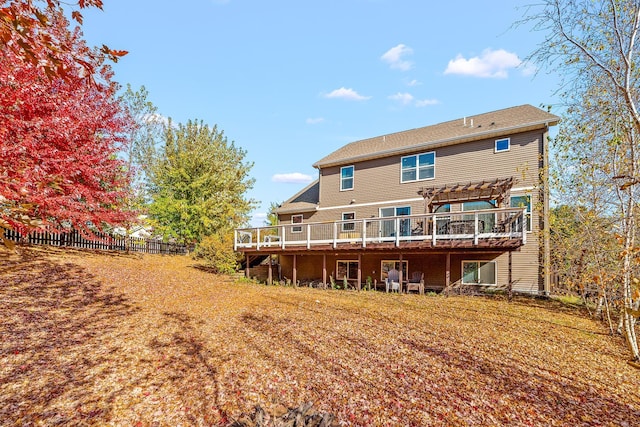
<point x="272" y="216"/>
<point x="197" y="183"/>
<point x="593" y="46"/>
<point x="144" y="134"/>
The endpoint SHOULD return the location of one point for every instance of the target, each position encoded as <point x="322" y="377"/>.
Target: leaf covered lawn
<point x="130" y="340"/>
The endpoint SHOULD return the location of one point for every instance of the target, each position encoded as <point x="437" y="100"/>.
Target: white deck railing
<point x="471" y="225"/>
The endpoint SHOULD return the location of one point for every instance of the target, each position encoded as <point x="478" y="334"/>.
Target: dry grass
<point x="97" y="339"/>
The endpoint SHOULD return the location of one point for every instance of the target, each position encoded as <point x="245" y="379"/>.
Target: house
<point x="464" y="202"/>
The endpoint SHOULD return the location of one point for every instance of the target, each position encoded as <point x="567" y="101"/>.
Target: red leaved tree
<point x="59" y="139"/>
<point x="28" y="31"/>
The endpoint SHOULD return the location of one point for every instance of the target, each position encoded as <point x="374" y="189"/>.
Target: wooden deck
<point x="497" y="229"/>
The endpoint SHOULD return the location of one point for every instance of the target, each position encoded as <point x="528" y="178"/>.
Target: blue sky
<point x="290" y="81"/>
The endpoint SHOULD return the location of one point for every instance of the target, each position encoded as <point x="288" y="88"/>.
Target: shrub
<point x="217" y="252"/>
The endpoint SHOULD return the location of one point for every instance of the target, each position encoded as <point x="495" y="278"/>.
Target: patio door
<point x="486" y="222"/>
<point x="388" y="227"/>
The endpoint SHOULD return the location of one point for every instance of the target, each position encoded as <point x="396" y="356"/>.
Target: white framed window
<point x="346" y="178"/>
<point x="523" y="202"/>
<point x="348" y="226"/>
<point x="296" y="219"/>
<point x="390" y="264"/>
<point x="479" y="272"/>
<point x="418" y="167"/>
<point x="388" y="227"/>
<point x="503" y="144"/>
<point x="347" y="268"/>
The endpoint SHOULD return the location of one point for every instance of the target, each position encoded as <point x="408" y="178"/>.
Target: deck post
<point x="447" y="274"/>
<point x="400" y="274"/>
<point x="335" y="234"/>
<point x="359" y="271"/>
<point x="364" y="233"/>
<point x="397" y="232"/>
<point x="248" y="261"/>
<point x="308" y="236"/>
<point x="270" y="276"/>
<point x="475" y="229"/>
<point x="258" y="238"/>
<point x="295" y="270"/>
<point x="282" y="233"/>
<point x="434" y="230"/>
<point x="324" y="271"/>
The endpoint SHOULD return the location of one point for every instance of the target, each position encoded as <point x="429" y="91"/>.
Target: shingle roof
<point x="470" y="128"/>
<point x="304" y="201"/>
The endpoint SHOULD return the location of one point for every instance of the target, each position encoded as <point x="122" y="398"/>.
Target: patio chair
<point x="416" y="283"/>
<point x="393" y="280"/>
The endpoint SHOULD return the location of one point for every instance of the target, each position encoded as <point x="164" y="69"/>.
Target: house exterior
<point x="464" y="202"/>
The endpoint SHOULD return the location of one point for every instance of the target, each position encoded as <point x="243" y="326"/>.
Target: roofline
<point x="438" y="143"/>
<point x="296" y="209"/>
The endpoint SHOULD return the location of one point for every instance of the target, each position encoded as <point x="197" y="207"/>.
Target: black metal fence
<point x="101" y="241"/>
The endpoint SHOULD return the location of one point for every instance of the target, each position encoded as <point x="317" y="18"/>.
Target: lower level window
<point x="348" y="269"/>
<point x="479" y="272"/>
<point x="388" y="265"/>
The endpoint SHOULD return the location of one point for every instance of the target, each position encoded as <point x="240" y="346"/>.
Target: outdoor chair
<point x="416" y="283"/>
<point x="393" y="281"/>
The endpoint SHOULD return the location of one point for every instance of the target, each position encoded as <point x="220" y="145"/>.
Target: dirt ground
<point x="131" y="340"/>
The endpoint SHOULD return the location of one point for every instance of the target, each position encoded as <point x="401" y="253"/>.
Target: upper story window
<point x="418" y="167"/>
<point x="346" y="178"/>
<point x="502" y="145"/>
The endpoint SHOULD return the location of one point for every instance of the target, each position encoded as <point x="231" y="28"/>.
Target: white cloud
<point x="315" y="120"/>
<point x="491" y="64"/>
<point x="407" y="99"/>
<point x="394" y="57"/>
<point x="426" y="102"/>
<point x="348" y="94"/>
<point x="528" y="69"/>
<point x="292" y="178"/>
<point x="413" y="83"/>
<point x="403" y="98"/>
<point x="258" y="219"/>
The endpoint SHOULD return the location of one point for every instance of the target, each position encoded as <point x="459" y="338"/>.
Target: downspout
<point x="546" y="232"/>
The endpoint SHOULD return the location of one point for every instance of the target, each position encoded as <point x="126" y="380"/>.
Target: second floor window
<point x="418" y="167"/>
<point x="502" y="145"/>
<point x="346" y="178"/>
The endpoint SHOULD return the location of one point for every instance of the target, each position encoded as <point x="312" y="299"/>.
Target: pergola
<point x="497" y="189"/>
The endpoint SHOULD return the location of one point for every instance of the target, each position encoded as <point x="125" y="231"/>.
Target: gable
<point x="304" y="201"/>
